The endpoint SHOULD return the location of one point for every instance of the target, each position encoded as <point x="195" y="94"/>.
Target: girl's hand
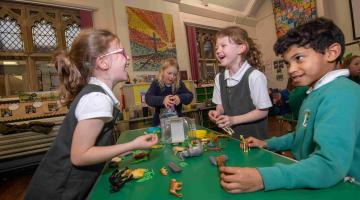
<point x="176" y="99"/>
<point x="213" y="115"/>
<point x="224" y="121"/>
<point x="168" y="101"/>
<point x="238" y="180"/>
<point x="145" y="141"/>
<point x="253" y="142"/>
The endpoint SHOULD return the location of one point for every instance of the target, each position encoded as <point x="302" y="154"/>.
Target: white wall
<point x="339" y="12"/>
<point x="266" y="34"/>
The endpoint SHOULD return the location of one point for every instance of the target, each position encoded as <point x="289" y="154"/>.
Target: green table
<point x="200" y="178"/>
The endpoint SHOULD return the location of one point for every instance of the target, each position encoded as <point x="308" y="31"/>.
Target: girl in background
<point x="240" y="93"/>
<point x="168" y="92"/>
<point x="95" y="63"/>
<point x="353" y="64"/>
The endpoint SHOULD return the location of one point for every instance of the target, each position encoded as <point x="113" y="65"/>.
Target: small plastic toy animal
<point x="221" y="159"/>
<point x="244" y="144"/>
<point x="174" y="187"/>
<point x="192" y="151"/>
<point x="164" y="171"/>
<point x="118" y="178"/>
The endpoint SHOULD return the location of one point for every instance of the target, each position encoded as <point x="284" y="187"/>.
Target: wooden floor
<point x="13" y="187"/>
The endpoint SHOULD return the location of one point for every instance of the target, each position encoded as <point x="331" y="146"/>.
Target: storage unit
<point x="204" y="94"/>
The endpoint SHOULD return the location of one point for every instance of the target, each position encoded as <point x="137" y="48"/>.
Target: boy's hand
<point x="213" y="115"/>
<point x="224" y="121"/>
<point x="253" y="142"/>
<point x="168" y="101"/>
<point x="176" y="99"/>
<point x="145" y="141"/>
<point x="238" y="180"/>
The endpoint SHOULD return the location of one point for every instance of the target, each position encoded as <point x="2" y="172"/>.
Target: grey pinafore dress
<point x="236" y="100"/>
<point x="56" y="177"/>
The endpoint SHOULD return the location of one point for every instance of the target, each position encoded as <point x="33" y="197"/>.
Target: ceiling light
<point x="10" y="63"/>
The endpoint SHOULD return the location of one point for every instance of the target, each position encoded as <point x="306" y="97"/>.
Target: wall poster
<point x="152" y="38"/>
<point x="291" y="13"/>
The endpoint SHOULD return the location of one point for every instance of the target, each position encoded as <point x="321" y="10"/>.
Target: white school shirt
<point x="327" y="78"/>
<point x="96" y="104"/>
<point x="257" y="84"/>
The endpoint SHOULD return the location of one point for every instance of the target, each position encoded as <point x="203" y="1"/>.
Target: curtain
<point x="193" y="52"/>
<point x="85" y="19"/>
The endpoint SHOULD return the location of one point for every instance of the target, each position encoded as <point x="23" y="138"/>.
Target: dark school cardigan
<point x="155" y="96"/>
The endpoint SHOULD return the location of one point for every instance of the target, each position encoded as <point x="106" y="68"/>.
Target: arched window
<point x="208" y="64"/>
<point x="44" y="36"/>
<point x="29" y="36"/>
<point x="71" y="32"/>
<point x="10" y="35"/>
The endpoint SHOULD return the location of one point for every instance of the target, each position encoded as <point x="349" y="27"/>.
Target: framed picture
<point x="355" y="18"/>
<point x="152" y="38"/>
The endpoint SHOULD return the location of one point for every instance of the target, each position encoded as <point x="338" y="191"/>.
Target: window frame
<point x="204" y="34"/>
<point x="26" y="20"/>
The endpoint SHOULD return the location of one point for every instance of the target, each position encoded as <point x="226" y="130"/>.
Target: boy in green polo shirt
<point x="326" y="140"/>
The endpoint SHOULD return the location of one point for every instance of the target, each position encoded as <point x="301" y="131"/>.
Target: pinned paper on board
<point x="139" y="93"/>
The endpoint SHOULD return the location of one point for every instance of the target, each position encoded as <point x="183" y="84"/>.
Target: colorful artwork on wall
<point x="291" y="13"/>
<point x="152" y="38"/>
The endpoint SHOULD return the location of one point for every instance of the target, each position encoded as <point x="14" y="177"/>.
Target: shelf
<point x="204" y="94"/>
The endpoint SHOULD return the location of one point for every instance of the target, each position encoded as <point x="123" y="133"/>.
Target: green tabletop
<point x="200" y="178"/>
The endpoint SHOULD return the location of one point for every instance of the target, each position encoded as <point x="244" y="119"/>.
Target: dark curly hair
<point x="318" y="34"/>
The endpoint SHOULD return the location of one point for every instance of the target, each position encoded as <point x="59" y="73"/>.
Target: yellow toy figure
<point x="244" y="145"/>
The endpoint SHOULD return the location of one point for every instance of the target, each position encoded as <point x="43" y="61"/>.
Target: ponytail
<point x="75" y="68"/>
<point x="71" y="81"/>
<point x="254" y="56"/>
